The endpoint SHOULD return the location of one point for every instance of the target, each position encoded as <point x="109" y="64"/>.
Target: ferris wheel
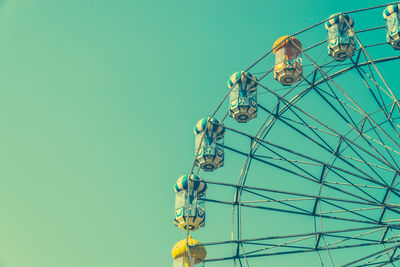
<point x="303" y="166"/>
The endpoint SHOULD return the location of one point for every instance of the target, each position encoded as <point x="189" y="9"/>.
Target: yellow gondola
<point x="288" y="65"/>
<point x="180" y="253"/>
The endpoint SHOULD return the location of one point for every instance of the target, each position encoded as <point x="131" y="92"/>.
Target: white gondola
<point x="391" y="15"/>
<point x="190" y="211"/>
<point x="243" y="96"/>
<point x="341" y="41"/>
<point x="209" y="134"/>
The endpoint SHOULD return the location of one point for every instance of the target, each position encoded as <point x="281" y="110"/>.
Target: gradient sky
<point x="98" y="100"/>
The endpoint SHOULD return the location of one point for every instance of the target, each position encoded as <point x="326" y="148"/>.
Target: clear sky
<point x="98" y="101"/>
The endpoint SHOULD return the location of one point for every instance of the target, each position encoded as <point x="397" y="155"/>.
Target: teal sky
<point x="98" y="100"/>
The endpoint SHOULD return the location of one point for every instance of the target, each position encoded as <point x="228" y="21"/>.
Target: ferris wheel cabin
<point x="288" y="61"/>
<point x="180" y="253"/>
<point x="341" y="41"/>
<point x="391" y="14"/>
<point x="209" y="138"/>
<point x="189" y="209"/>
<point x="243" y="96"/>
